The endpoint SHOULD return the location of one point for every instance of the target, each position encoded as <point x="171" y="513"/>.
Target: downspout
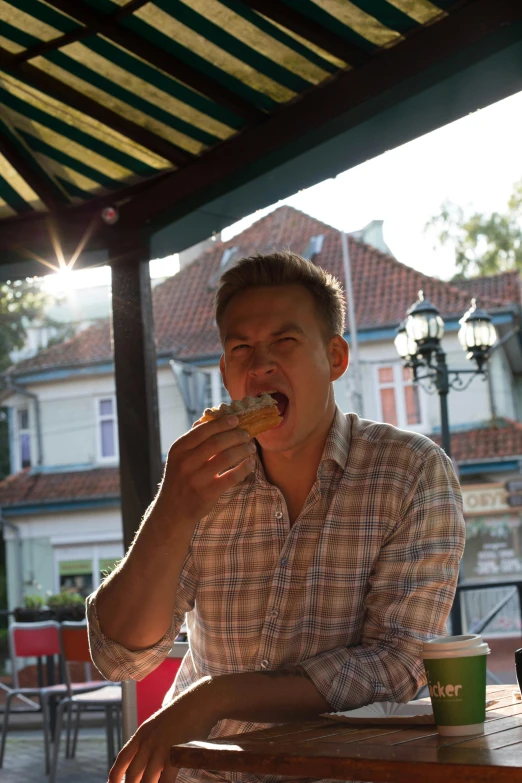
<point x="19" y="555"/>
<point x="12" y="386"/>
<point x="352" y="326"/>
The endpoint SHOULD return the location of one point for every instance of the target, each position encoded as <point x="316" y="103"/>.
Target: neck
<point x="298" y="466"/>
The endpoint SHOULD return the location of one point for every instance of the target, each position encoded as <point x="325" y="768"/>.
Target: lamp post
<point x="418" y="344"/>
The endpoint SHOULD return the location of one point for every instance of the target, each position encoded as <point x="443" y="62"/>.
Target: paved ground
<point x="24" y="759"/>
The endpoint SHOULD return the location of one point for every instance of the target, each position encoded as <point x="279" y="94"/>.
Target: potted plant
<point x="66" y="606"/>
<point x="33" y="610"/>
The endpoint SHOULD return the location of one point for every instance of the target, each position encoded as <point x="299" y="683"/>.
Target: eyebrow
<point x="288" y="327"/>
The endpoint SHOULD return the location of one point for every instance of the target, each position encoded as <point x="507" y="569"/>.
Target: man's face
<point x="274" y="342"/>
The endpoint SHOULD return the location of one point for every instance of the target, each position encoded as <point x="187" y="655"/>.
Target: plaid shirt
<point x="349" y="592"/>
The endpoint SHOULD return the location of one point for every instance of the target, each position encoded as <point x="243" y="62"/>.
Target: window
<point x="24" y="438"/>
<point x="107" y="429"/>
<point x="76" y="576"/>
<point x="398" y="397"/>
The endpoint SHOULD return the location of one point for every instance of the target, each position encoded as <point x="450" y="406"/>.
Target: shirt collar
<point x="337" y="444"/>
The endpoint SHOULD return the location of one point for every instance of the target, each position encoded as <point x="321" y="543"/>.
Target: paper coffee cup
<point x="456" y="671"/>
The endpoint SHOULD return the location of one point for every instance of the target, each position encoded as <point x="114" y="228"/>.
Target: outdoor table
<point x="323" y="749"/>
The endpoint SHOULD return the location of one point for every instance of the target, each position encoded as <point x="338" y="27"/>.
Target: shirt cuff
<point x="116" y="662"/>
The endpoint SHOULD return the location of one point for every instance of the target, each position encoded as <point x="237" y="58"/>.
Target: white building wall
<point x="46" y="539"/>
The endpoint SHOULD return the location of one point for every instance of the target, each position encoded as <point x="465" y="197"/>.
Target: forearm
<point x="136" y="602"/>
<point x="279" y="696"/>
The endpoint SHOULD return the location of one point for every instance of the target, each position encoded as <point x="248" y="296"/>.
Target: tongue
<point x="282" y="402"/>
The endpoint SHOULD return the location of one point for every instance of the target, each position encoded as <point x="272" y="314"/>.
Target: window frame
<point x="17" y="439"/>
<point x="100" y="459"/>
<point x="399" y="385"/>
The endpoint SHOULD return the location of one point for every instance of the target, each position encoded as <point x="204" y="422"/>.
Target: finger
<point x="198" y="434"/>
<point x="122" y="762"/>
<point x="235" y="475"/>
<point x="138" y="766"/>
<point x="169" y="775"/>
<point x="154" y="770"/>
<point x="215" y="445"/>
<point x="228" y="459"/>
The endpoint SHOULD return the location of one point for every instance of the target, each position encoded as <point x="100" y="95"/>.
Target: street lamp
<point x="418" y="344"/>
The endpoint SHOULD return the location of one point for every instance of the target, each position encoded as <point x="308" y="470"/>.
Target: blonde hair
<point x="285" y="268"/>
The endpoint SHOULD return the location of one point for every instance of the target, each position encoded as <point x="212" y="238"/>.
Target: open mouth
<point x="281" y="400"/>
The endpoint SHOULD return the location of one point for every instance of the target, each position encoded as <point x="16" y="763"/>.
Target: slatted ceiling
<point x="422" y="11"/>
<point x="210" y="57"/>
<point x="278" y="34"/>
<point x="247" y="53"/>
<point x="73" y="123"/>
<point x="251" y="43"/>
<point x="76" y="164"/>
<point x="119" y="81"/>
<point x="328" y="60"/>
<point x="354" y="17"/>
<point x="13" y="13"/>
<point x="108" y="96"/>
<point x="15" y="190"/>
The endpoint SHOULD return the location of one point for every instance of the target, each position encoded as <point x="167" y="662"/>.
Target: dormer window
<point x="314" y="247"/>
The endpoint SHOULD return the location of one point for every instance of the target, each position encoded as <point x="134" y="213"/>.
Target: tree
<point x="485" y="244"/>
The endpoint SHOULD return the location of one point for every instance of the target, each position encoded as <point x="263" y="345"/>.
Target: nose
<point x="261" y="363"/>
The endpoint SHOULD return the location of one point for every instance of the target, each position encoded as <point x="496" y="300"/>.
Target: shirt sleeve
<point x="410" y="595"/>
<point x="117" y="663"/>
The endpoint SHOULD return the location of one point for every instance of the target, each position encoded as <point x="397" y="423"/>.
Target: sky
<point x="472" y="162"/>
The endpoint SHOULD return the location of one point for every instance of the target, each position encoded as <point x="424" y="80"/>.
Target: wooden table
<point x="323" y="749"/>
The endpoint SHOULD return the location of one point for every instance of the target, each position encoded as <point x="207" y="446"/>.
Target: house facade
<point x="60" y="506"/>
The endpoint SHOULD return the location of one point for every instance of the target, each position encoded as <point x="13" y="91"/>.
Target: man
<point x="311" y="571"/>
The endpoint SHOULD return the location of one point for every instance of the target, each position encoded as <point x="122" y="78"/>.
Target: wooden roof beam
<point x="71" y="97"/>
<point x="31" y="172"/>
<point x="159" y="58"/>
<point x="309" y="30"/>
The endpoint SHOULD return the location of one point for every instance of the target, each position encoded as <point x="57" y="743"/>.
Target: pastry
<point x="256" y="414"/>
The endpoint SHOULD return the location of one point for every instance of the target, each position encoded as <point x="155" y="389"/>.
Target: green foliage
<point x="21" y="301"/>
<point x="484" y="244"/>
<point x="64" y="598"/>
<point x="33" y="601"/>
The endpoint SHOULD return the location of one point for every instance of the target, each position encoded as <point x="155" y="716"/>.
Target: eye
<point x="239" y="347"/>
<point x="286" y="340"/>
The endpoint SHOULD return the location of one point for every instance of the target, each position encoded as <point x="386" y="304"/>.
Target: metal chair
<point x="75" y="648"/>
<point x="40" y="641"/>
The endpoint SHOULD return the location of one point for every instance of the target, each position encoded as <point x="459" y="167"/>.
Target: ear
<point x="223" y="370"/>
<point x="339" y="356"/>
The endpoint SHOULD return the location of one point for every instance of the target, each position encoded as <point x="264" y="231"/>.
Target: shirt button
<point x="264" y="664"/>
<point x="279" y="515"/>
<point x="284" y="561"/>
<point x="274" y="613"/>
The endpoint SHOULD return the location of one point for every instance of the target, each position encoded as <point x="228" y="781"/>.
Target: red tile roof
<point x="383" y="290"/>
<point x="28" y="488"/>
<point x="506" y="287"/>
<point x="25" y="488"/>
<point x="502" y="440"/>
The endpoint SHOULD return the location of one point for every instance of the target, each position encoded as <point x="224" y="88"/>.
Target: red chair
<point x="40" y="641"/>
<point x="75" y="649"/>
